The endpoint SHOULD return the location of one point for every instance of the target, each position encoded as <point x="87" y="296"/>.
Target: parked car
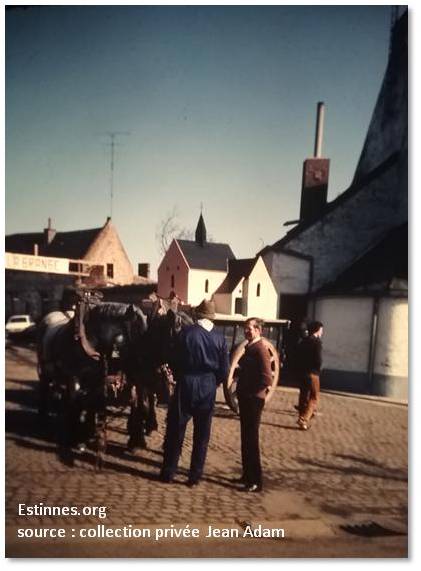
<point x="18" y="323"/>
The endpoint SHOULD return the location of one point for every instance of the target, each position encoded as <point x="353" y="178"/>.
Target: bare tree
<point x="168" y="229"/>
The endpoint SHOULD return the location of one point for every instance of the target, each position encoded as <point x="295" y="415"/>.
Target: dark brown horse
<point x="165" y="322"/>
<point x="84" y="361"/>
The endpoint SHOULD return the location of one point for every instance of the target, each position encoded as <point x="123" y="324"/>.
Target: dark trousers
<point x="251" y="408"/>
<point x="184" y="407"/>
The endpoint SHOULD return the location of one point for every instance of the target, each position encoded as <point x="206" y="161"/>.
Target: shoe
<point x="193" y="483"/>
<point x="302" y="425"/>
<point x="254" y="488"/>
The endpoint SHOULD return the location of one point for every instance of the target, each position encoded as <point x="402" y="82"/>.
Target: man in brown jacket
<point x="254" y="384"/>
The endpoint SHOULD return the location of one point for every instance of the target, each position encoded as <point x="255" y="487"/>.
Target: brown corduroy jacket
<point x="255" y="371"/>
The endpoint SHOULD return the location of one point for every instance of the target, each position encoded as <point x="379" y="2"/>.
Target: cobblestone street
<point x="349" y="469"/>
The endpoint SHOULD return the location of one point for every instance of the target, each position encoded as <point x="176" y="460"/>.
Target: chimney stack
<point x="315" y="175"/>
<point x="143" y="270"/>
<point x="319" y="130"/>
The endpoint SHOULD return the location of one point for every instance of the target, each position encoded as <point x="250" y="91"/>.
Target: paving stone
<point x="352" y="463"/>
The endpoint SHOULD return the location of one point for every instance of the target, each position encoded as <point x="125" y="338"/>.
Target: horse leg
<point x="151" y="422"/>
<point x="43" y="394"/>
<point x="136" y="421"/>
<point x="71" y="421"/>
<point x="101" y="439"/>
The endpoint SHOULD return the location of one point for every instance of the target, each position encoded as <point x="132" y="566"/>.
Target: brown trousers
<point x="309" y="396"/>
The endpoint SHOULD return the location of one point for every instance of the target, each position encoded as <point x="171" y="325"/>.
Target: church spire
<point x="201" y="232"/>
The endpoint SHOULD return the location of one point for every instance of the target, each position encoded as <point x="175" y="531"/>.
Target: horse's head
<point x="164" y="326"/>
<point x="118" y="326"/>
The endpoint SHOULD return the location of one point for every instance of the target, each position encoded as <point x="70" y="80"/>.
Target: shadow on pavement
<point x="372" y="470"/>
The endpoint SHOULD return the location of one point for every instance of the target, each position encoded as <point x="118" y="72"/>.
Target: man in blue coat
<point x="201" y="364"/>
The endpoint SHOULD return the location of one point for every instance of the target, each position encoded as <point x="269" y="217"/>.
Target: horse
<point x="84" y="360"/>
<point x="165" y="322"/>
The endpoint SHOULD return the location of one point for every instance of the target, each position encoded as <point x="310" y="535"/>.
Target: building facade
<point x="40" y="266"/>
<point x="340" y="264"/>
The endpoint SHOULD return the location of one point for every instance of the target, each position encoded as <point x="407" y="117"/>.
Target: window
<point x="206" y="286"/>
<point x="110" y="270"/>
<point x="258" y="290"/>
<point x="73" y="267"/>
<point x="172" y="281"/>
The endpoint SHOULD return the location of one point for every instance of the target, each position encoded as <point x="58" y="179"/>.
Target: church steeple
<point x="201" y="232"/>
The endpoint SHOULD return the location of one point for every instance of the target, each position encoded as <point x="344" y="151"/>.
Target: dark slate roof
<point x="237" y="269"/>
<point x="211" y="256"/>
<point x="72" y="245"/>
<point x="345" y="196"/>
<point x="384" y="268"/>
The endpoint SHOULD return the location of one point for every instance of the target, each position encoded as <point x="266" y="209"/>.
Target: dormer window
<point x="258" y="290"/>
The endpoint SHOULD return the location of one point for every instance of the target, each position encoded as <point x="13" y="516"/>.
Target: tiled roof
<point x="210" y="256"/>
<point x="382" y="268"/>
<point x="237" y="269"/>
<point x="72" y="245"/>
<point x="346" y="195"/>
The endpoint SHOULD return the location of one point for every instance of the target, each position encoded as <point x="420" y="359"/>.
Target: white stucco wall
<point x="290" y="274"/>
<point x="196" y="284"/>
<point x="391" y="357"/>
<point x="223" y="303"/>
<point x="173" y="263"/>
<point x="347" y="331"/>
<point x="264" y="306"/>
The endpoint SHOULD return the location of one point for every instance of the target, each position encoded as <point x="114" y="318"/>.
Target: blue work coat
<point x="202" y="363"/>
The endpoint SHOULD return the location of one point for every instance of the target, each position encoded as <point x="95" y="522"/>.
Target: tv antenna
<point x="112" y="135"/>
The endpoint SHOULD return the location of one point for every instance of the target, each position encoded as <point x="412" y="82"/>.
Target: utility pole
<point x="113" y="135"/>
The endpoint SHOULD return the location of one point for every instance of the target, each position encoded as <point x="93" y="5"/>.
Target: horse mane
<point x="116" y="309"/>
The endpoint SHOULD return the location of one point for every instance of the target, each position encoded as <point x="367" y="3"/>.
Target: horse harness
<point x="87" y="299"/>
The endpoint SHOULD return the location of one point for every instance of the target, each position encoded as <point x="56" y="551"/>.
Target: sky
<point x="216" y="106"/>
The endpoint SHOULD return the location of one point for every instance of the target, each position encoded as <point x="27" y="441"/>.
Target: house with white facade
<point x="198" y="269"/>
<point x="247" y="290"/>
<point x="193" y="269"/>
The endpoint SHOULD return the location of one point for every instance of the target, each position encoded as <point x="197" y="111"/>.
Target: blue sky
<point x="220" y="103"/>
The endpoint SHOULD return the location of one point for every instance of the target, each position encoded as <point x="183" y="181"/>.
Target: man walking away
<point x="200" y="365"/>
<point x="310" y="358"/>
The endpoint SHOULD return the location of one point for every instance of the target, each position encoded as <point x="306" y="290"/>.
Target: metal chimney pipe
<point x="319" y="129"/>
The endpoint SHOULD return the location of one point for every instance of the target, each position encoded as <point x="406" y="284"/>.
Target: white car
<point x="18" y="323"/>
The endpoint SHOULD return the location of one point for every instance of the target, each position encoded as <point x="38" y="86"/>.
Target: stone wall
<point x="107" y="248"/>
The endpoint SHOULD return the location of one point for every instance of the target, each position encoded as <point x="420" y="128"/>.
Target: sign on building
<point x="29" y="263"/>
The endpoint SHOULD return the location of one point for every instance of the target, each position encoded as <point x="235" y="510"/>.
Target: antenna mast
<point x="113" y="135"/>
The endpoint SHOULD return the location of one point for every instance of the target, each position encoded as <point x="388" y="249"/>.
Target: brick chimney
<point x="49" y="233"/>
<point x="143" y="270"/>
<point x="315" y="175"/>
